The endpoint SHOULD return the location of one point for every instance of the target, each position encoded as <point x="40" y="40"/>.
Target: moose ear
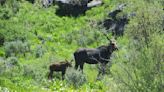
<point x="71" y="60"/>
<point x="66" y="60"/>
<point x="110" y="41"/>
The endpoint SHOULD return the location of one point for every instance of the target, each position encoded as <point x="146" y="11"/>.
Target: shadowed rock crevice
<point x="66" y="9"/>
<point x="75" y="8"/>
<point x="72" y="8"/>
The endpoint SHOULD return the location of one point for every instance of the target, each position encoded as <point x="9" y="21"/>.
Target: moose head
<point x="113" y="45"/>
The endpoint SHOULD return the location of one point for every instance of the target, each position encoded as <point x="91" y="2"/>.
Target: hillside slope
<point x="32" y="37"/>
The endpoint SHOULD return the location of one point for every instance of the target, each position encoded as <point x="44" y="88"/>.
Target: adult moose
<point x="97" y="55"/>
<point x="59" y="67"/>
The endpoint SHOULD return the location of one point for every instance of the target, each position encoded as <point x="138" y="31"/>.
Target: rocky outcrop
<point x="75" y="7"/>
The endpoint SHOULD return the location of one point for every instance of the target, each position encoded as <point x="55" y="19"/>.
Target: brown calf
<point x="59" y="67"/>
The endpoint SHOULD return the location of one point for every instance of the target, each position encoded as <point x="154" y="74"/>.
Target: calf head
<point x="69" y="64"/>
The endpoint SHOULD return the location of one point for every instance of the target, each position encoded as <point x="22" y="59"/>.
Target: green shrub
<point x="16" y="47"/>
<point x="75" y="77"/>
<point x="2" y="66"/>
<point x="9" y="63"/>
<point x="39" y="51"/>
<point x="31" y="71"/>
<point x="13" y="61"/>
<point x="2" y="39"/>
<point x="4" y="89"/>
<point x="10" y="67"/>
<point x="84" y="37"/>
<point x="28" y="71"/>
<point x="37" y="71"/>
<point x="138" y="68"/>
<point x="5" y="13"/>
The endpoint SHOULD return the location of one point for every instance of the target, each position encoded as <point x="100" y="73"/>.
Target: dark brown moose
<point x="59" y="67"/>
<point x="97" y="55"/>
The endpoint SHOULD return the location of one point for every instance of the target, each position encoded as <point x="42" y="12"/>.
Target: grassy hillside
<point x="35" y="37"/>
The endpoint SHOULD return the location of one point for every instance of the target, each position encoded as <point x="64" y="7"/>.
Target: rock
<point x="94" y="3"/>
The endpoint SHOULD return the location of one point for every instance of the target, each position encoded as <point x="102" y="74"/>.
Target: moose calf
<point x="59" y="67"/>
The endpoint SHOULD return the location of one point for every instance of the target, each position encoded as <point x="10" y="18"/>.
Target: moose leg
<point x="103" y="70"/>
<point x="76" y="66"/>
<point x="81" y="66"/>
<point x="99" y="71"/>
<point x="63" y="73"/>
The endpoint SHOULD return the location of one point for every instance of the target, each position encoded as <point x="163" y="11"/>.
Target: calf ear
<point x="71" y="60"/>
<point x="66" y="60"/>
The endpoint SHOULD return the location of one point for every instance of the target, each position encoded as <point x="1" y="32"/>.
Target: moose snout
<point x="116" y="48"/>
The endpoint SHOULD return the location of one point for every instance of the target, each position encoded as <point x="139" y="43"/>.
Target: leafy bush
<point x="16" y="47"/>
<point x="39" y="51"/>
<point x="36" y="70"/>
<point x="139" y="68"/>
<point x="142" y="70"/>
<point x="8" y="64"/>
<point x="28" y="71"/>
<point x="84" y="37"/>
<point x="36" y="73"/>
<point x="75" y="77"/>
<point x="4" y="89"/>
<point x="5" y="13"/>
<point x="10" y="67"/>
<point x="12" y="61"/>
<point x="2" y="39"/>
<point x="2" y="65"/>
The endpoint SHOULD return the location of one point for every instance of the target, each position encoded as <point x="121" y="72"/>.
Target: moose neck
<point x="110" y="49"/>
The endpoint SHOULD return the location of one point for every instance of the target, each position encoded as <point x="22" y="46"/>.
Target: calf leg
<point x="98" y="75"/>
<point x="50" y="75"/>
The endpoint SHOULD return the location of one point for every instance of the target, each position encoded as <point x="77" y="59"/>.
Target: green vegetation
<point x="35" y="37"/>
